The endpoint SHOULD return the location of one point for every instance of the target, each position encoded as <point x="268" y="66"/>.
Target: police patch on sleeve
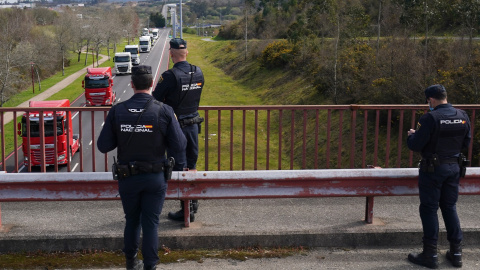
<point x="161" y="79"/>
<point x="418" y="125"/>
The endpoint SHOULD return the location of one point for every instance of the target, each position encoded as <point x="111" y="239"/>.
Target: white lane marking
<point x="74" y="167"/>
<point x="90" y="143"/>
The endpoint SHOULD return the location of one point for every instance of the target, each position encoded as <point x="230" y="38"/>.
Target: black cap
<point x="436" y="91"/>
<point x="178" y="43"/>
<point x="142" y="69"/>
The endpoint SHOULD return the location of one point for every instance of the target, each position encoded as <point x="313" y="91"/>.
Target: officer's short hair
<point x="178" y="43"/>
<point x="436" y="91"/>
<point x="142" y="77"/>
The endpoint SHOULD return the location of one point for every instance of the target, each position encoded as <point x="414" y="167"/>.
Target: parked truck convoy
<point x="145" y="43"/>
<point x="98" y="85"/>
<point x="123" y="63"/>
<point x="66" y="145"/>
<point x="135" y="52"/>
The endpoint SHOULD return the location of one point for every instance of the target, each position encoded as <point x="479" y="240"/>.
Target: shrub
<point x="277" y="54"/>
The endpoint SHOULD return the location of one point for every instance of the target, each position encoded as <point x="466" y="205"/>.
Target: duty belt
<point x="190" y="121"/>
<point x="138" y="167"/>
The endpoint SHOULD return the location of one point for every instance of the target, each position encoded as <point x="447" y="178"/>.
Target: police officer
<point x="181" y="88"/>
<point x="440" y="136"/>
<point x="141" y="129"/>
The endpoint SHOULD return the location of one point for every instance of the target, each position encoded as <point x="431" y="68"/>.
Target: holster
<point x="463" y="162"/>
<point x="427" y="165"/>
<point x="169" y="164"/>
<point x="190" y="121"/>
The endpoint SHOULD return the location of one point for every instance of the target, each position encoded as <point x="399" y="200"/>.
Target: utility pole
<point x="246" y="30"/>
<point x="33" y="82"/>
<point x="174" y="26"/>
<point x="181" y="20"/>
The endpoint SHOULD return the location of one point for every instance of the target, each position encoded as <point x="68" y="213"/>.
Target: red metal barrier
<point x="231" y="185"/>
<point x="278" y="137"/>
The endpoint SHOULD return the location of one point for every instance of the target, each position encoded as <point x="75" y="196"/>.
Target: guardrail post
<point x="186" y="212"/>
<point x="369" y="210"/>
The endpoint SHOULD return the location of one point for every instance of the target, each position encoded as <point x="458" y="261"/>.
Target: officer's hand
<point x="411" y="131"/>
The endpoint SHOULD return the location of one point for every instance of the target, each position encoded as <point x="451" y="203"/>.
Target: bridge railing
<point x="268" y="137"/>
<point x="205" y="185"/>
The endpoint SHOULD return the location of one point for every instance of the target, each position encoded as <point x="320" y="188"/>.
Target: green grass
<point x="222" y="90"/>
<point x="107" y="259"/>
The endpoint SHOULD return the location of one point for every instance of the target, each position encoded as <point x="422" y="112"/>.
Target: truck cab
<point x="98" y="85"/>
<point x="134" y="50"/>
<point x="123" y="63"/>
<point x="58" y="147"/>
<point x="155" y="33"/>
<point x="145" y="44"/>
<point x="145" y="32"/>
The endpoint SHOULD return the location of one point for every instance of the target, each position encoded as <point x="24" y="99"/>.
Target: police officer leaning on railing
<point x="440" y="136"/>
<point x="142" y="129"/>
<point x="181" y="88"/>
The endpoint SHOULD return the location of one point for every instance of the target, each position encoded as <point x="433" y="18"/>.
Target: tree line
<point x="368" y="51"/>
<point x="44" y="39"/>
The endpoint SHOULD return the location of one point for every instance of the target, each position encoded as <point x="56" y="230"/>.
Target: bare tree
<point x="64" y="33"/>
<point x="14" y="26"/>
<point x="111" y="30"/>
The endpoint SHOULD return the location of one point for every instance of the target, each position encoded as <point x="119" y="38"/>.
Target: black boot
<point x="178" y="216"/>
<point x="149" y="267"/>
<point x="134" y="263"/>
<point x="454" y="255"/>
<point x="194" y="206"/>
<point x="427" y="258"/>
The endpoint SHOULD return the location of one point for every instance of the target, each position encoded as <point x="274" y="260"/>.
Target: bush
<point x="277" y="54"/>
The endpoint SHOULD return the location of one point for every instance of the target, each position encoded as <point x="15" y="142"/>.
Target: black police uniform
<point x="142" y="141"/>
<point x="181" y="88"/>
<point x="440" y="136"/>
<point x="444" y="132"/>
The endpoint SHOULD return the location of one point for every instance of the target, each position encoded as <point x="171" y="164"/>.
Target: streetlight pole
<point x="33" y="82"/>
<point x="181" y="20"/>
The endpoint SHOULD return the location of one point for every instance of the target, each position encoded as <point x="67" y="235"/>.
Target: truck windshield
<point x="102" y="83"/>
<point x="122" y="59"/>
<point x="35" y="127"/>
<point x="132" y="50"/>
<point x="144" y="42"/>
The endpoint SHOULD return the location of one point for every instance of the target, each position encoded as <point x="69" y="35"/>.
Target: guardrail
<point x="277" y="137"/>
<point x="204" y="185"/>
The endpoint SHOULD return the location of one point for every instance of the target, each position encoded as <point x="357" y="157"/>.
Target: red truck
<point x="98" y="85"/>
<point x="64" y="122"/>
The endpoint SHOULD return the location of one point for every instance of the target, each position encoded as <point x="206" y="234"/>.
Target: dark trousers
<point x="440" y="189"/>
<point x="142" y="199"/>
<point x="191" y="134"/>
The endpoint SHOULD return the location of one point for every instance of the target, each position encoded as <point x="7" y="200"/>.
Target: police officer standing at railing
<point x="141" y="129"/>
<point x="181" y="88"/>
<point x="440" y="136"/>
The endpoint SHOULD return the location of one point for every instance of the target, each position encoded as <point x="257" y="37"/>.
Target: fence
<point x="269" y="137"/>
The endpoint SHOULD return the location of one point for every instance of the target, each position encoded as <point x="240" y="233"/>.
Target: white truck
<point x="145" y="32"/>
<point x="155" y="33"/>
<point x="145" y="44"/>
<point x="135" y="51"/>
<point x="123" y="63"/>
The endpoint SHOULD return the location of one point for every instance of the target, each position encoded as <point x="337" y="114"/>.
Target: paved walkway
<point x="332" y="227"/>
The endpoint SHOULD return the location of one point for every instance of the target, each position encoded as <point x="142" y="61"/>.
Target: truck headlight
<point x="61" y="157"/>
